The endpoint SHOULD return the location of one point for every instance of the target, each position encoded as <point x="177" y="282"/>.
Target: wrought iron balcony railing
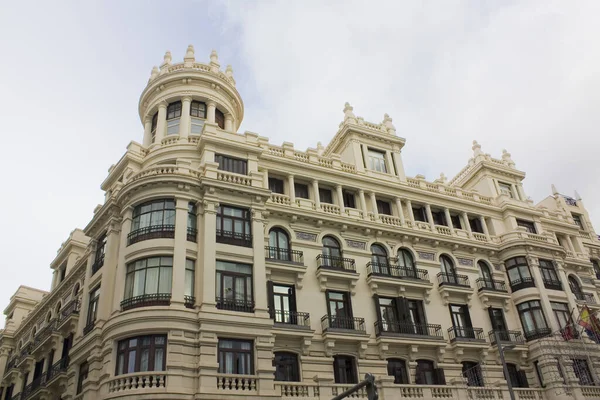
<point x="146" y="300"/>
<point x="465" y="333"/>
<point x="522" y="283"/>
<point x="537" y="333"/>
<point x="336" y="263"/>
<point x="58" y="368"/>
<point x="287" y="255"/>
<point x="332" y="322"/>
<point x="44" y="333"/>
<point x="293" y="318"/>
<point x="393" y="271"/>
<point x="552" y="284"/>
<point x="491" y="284"/>
<point x="234" y="238"/>
<point x="383" y="328"/>
<point x="445" y="278"/>
<point x="151" y="232"/>
<point x="192" y="234"/>
<point x="515" y="337"/>
<point x="98" y="263"/>
<point x="71" y="308"/>
<point x="242" y="305"/>
<point x="189" y="301"/>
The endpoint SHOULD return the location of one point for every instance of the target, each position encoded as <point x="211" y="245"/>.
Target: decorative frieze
<point x="355" y="244"/>
<point x="424" y="255"/>
<point x="467" y="262"/>
<point x="311" y="237"/>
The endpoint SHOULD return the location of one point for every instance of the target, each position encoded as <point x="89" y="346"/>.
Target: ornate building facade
<point x="222" y="266"/>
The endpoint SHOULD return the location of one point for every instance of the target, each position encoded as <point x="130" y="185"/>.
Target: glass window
<point x="344" y="369"/>
<point x="153" y="127"/>
<point x="383" y="207"/>
<point x="439" y="218"/>
<point x="276" y="185"/>
<point x="389" y="314"/>
<point x="141" y="354"/>
<point x="528" y="225"/>
<point x="448" y="269"/>
<point x="100" y="251"/>
<point x="349" y="199"/>
<point x="472" y="373"/>
<point x="233" y="226"/>
<point x="301" y="190"/>
<point x="420" y="214"/>
<point x="190" y="271"/>
<point x="397" y="368"/>
<point x="198" y="109"/>
<point x="548" y="272"/>
<point x="236" y="357"/>
<point x="234" y="286"/>
<point x="461" y="321"/>
<point x="231" y="164"/>
<point x="325" y="196"/>
<point x="561" y="313"/>
<point x="518" y="273"/>
<point x="456" y="221"/>
<point x="486" y="274"/>
<point x="331" y="253"/>
<point x="83" y="374"/>
<point x="339" y="310"/>
<point x="279" y="245"/>
<point x="149" y="277"/>
<point x="377" y="161"/>
<point x="173" y="117"/>
<point x="582" y="372"/>
<point x="192" y="222"/>
<point x="506" y="189"/>
<point x="425" y="373"/>
<point x="406" y="263"/>
<point x="284" y="303"/>
<point x="286" y="367"/>
<point x="220" y="118"/>
<point x="93" y="306"/>
<point x="576" y="288"/>
<point x="578" y="221"/>
<point x="532" y="319"/>
<point x="475" y="224"/>
<point x="379" y="259"/>
<point x="154" y="219"/>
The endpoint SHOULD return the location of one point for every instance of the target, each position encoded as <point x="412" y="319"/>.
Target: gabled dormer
<point x="21" y="304"/>
<point x="68" y="254"/>
<point x="374" y="149"/>
<point x="496" y="178"/>
<point x="571" y="210"/>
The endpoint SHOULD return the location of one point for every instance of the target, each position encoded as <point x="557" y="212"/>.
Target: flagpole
<point x="587" y="353"/>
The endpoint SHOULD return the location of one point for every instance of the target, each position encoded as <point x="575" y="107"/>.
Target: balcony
<point x="146" y="300"/>
<point x="466" y="334"/>
<point x="445" y="278"/>
<point x="151" y="232"/>
<point x="98" y="264"/>
<point x="336" y="272"/>
<point x="192" y="234"/>
<point x="238" y="384"/>
<point x="506" y="337"/>
<point x="46" y="338"/>
<point x="392" y="271"/>
<point x="234" y="238"/>
<point x="189" y="301"/>
<point x="409" y="330"/>
<point x="57" y="375"/>
<point x="552" y="284"/>
<point x="487" y="284"/>
<point x="493" y="293"/>
<point x="521" y="283"/>
<point x="290" y="319"/>
<point x="537" y="334"/>
<point x="240" y="305"/>
<point x="454" y="288"/>
<point x="277" y="254"/>
<point x="343" y="324"/>
<point x="139" y="383"/>
<point x="388" y="279"/>
<point x="25" y="359"/>
<point x="69" y="315"/>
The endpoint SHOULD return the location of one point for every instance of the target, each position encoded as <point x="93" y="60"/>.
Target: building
<point x="221" y="266"/>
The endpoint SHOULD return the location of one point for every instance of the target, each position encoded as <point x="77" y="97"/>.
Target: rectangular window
<point x="92" y="308"/>
<point x="549" y="275"/>
<point x="578" y="221"/>
<point x="141" y="354"/>
<point x="506" y="189"/>
<point x="383" y="207"/>
<point x="198" y="116"/>
<point x="234" y="226"/>
<point x="234" y="287"/>
<point x="301" y="190"/>
<point x="561" y="313"/>
<point x="192" y="222"/>
<point x="349" y="199"/>
<point x="582" y="372"/>
<point x="528" y="225"/>
<point x="377" y="161"/>
<point x="276" y="185"/>
<point x="426" y="374"/>
<point x="62" y="273"/>
<point x="344" y="369"/>
<point x="456" y="222"/>
<point x="397" y="369"/>
<point x="83" y="375"/>
<point x="236" y="357"/>
<point x="533" y="320"/>
<point x="231" y="164"/>
<point x="190" y="276"/>
<point x="283" y="303"/>
<point x="461" y="321"/>
<point x="439" y="218"/>
<point x="475" y="224"/>
<point x="173" y="117"/>
<point x="420" y="214"/>
<point x="325" y="196"/>
<point x="519" y="273"/>
<point x="286" y="367"/>
<point x="148" y="282"/>
<point x="339" y="310"/>
<point x="99" y="256"/>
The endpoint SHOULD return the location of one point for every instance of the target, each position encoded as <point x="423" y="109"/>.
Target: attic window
<point x="377" y="161"/>
<point x="577" y="220"/>
<point x="506" y="189"/>
<point x="173" y="116"/>
<point x="198" y="115"/>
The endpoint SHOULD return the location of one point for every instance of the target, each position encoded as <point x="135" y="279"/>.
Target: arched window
<point x="58" y="308"/>
<point x="397" y="368"/>
<point x="406" y="264"/>
<point x="344" y="369"/>
<point x="332" y="253"/>
<point x="286" y="367"/>
<point x="576" y="288"/>
<point x="279" y="245"/>
<point x="379" y="260"/>
<point x="448" y="270"/>
<point x="48" y="316"/>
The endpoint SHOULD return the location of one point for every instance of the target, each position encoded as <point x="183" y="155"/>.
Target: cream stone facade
<point x="221" y="266"/>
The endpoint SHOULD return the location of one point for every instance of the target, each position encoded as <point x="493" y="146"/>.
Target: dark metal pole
<point x="369" y="382"/>
<point x="504" y="367"/>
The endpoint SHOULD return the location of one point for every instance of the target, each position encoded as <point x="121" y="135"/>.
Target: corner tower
<point x="181" y="98"/>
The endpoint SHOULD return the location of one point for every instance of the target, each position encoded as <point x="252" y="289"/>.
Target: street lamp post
<point x="504" y="367"/>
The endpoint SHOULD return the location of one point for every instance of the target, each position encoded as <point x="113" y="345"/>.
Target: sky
<point x="515" y="75"/>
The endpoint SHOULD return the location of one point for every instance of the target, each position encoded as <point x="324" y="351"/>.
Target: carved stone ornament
<point x="356" y="244"/>
<point x="311" y="237"/>
<point x="465" y="261"/>
<point x="423" y="255"/>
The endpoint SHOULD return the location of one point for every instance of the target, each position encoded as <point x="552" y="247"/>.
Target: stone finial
<point x="320" y="148"/>
<point x="443" y="177"/>
<point x="387" y="122"/>
<point x="189" y="55"/>
<point x="554" y="190"/>
<point x="476" y="149"/>
<point x="506" y="158"/>
<point x="166" y="60"/>
<point x="229" y="71"/>
<point x="154" y="73"/>
<point x="349" y="116"/>
<point x="577" y="196"/>
<point x="214" y="61"/>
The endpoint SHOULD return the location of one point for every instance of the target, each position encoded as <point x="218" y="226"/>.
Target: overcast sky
<point x="520" y="75"/>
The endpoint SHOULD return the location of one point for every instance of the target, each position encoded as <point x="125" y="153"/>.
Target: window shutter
<point x="401" y="309"/>
<point x="421" y="312"/>
<point x="348" y="303"/>
<point x="522" y="379"/>
<point x="377" y="308"/>
<point x="270" y="298"/>
<point x="492" y="319"/>
<point x="440" y="378"/>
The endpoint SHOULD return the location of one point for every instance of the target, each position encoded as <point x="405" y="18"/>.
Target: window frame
<point x="100" y="252"/>
<point x="519" y="264"/>
<point x="397" y="368"/>
<point x="383" y="207"/>
<point x="189" y="288"/>
<point x="420" y="213"/>
<point x="174" y="111"/>
<point x="237" y="352"/>
<point x="345" y="374"/>
<point x="377" y="160"/>
<point x="349" y="199"/>
<point x="234" y="237"/>
<point x="301" y="190"/>
<point x="288" y="369"/>
<point x="82" y="376"/>
<point x="231" y="164"/>
<point x="539" y="327"/>
<point x="93" y="302"/>
<point x="192" y="222"/>
<point x="325" y="195"/>
<point x="122" y="364"/>
<point x="231" y="302"/>
<point x="578" y="220"/>
<point x="132" y="273"/>
<point x="475" y="378"/>
<point x="140" y="230"/>
<point x="506" y="188"/>
<point x="195" y="109"/>
<point x="528" y="225"/>
<point x="153" y="126"/>
<point x="276" y="185"/>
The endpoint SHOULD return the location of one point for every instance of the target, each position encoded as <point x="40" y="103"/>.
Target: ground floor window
<point x="141" y="353"/>
<point x="286" y="367"/>
<point x="236" y="357"/>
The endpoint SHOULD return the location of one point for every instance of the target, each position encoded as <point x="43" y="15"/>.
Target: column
<point x="108" y="270"/>
<point x="121" y="268"/>
<point x="400" y="211"/>
<point x="229" y="122"/>
<point x="363" y="203"/>
<point x="179" y="255"/>
<point x="521" y="192"/>
<point x="486" y="232"/>
<point x="211" y="106"/>
<point x="340" y="196"/>
<point x="259" y="270"/>
<point x="466" y="223"/>
<point x="411" y="214"/>
<point x="291" y="189"/>
<point x="161" y="123"/>
<point x="449" y="220"/>
<point x="185" y="121"/>
<point x="206" y="281"/>
<point x="430" y="217"/>
<point x="147" y="132"/>
<point x="374" y="205"/>
<point x="570" y="242"/>
<point x="390" y="163"/>
<point x="315" y="186"/>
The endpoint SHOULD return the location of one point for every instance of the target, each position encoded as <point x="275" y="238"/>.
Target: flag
<point x="584" y="318"/>
<point x="590" y="324"/>
<point x="568" y="332"/>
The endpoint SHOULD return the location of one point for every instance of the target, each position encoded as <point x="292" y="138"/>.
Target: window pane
<point x="145" y="356"/>
<point x="152" y="280"/>
<point x="165" y="280"/>
<point x="159" y="355"/>
<point x="131" y="362"/>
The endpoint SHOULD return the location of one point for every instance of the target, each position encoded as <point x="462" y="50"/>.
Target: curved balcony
<point x="138" y="383"/>
<point x="240" y="305"/>
<point x="537" y="334"/>
<point x="151" y="232"/>
<point x="146" y="300"/>
<point x="522" y="283"/>
<point x="234" y="238"/>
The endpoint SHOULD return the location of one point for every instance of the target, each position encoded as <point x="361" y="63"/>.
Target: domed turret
<point x="181" y="98"/>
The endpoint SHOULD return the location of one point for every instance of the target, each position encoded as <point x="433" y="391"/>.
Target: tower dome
<point x="181" y="98"/>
